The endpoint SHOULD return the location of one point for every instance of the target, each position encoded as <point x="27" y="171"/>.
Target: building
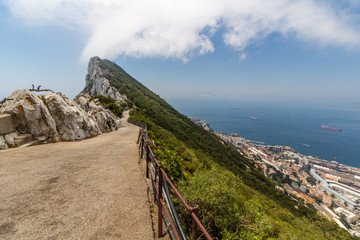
<point x="276" y="148"/>
<point x="327" y="188"/>
<point x="327" y="200"/>
<point x="294" y="185"/>
<point x="331" y="177"/>
<point x="350" y="217"/>
<point x="303" y="188"/>
<point x="305" y="161"/>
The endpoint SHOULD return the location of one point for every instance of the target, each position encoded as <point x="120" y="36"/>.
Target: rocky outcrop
<point x="72" y="122"/>
<point x="106" y="119"/>
<point x="53" y="117"/>
<point x="30" y="115"/>
<point x="97" y="84"/>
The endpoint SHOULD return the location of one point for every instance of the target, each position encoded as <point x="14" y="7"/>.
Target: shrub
<point x="223" y="207"/>
<point x="116" y="109"/>
<point x="110" y="104"/>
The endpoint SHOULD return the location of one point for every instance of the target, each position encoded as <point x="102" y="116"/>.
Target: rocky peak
<point x="97" y="84"/>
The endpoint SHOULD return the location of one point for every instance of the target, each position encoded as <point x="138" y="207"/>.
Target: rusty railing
<point x="160" y="182"/>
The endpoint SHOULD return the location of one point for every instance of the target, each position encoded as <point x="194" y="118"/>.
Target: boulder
<point x="6" y="124"/>
<point x="23" y="139"/>
<point x="72" y="122"/>
<point x="10" y="138"/>
<point x="106" y="123"/>
<point x="3" y="145"/>
<point x="30" y="115"/>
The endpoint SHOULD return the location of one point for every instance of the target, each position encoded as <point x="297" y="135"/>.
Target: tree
<point x="344" y="221"/>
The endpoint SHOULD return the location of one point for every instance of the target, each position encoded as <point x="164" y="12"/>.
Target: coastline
<point x="296" y="126"/>
<point x="332" y="188"/>
<point x="333" y="163"/>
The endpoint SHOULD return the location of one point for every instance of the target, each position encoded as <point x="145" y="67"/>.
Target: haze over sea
<point x="293" y="124"/>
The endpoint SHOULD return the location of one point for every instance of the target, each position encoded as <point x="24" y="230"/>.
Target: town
<point x="328" y="187"/>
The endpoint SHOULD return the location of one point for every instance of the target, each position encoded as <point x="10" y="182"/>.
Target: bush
<point x="171" y="161"/>
<point x="110" y="104"/>
<point x="223" y="208"/>
<point x="116" y="109"/>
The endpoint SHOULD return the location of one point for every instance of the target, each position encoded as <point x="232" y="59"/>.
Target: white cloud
<point x="182" y="29"/>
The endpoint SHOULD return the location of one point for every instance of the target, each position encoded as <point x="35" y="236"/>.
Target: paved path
<point x="90" y="189"/>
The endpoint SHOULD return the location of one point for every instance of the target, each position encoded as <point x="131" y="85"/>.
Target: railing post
<point x="147" y="161"/>
<point x="138" y="141"/>
<point x="160" y="224"/>
<point x="141" y="146"/>
<point x="194" y="229"/>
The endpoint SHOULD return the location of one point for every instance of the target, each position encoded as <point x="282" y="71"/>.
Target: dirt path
<point x="91" y="189"/>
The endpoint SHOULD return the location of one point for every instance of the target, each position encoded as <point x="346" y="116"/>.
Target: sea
<point x="297" y="125"/>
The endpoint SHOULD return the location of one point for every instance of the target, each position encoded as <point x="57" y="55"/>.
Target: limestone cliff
<point x="97" y="84"/>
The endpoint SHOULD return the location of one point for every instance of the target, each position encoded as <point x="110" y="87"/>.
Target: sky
<point x="267" y="50"/>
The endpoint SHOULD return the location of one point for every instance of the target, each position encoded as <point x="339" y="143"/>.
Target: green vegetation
<point x="317" y="199"/>
<point x="110" y="104"/>
<point x="278" y="177"/>
<point x="230" y="209"/>
<point x="310" y="179"/>
<point x="234" y="199"/>
<point x="344" y="221"/>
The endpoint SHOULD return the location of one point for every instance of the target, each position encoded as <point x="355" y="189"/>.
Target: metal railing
<point x="160" y="182"/>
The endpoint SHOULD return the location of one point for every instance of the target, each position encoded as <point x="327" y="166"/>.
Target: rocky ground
<point x="89" y="189"/>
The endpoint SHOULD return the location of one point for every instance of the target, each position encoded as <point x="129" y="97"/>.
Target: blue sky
<point x="276" y="50"/>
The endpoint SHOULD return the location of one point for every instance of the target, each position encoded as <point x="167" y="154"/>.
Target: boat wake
<point x="304" y="144"/>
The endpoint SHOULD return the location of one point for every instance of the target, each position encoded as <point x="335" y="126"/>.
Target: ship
<point x="330" y="128"/>
<point x="253" y="118"/>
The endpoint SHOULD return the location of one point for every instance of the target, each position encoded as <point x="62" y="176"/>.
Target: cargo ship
<point x="330" y="128"/>
<point x="253" y="118"/>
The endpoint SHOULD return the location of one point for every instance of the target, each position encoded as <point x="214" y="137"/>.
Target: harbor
<point x="332" y="188"/>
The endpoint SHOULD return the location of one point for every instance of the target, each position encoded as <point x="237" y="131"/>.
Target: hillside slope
<point x="235" y="200"/>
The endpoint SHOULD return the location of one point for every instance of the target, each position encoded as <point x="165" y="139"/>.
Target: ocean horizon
<point x="297" y="125"/>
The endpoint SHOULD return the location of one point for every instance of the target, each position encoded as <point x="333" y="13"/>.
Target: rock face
<point x="72" y="123"/>
<point x="97" y="84"/>
<point x="106" y="120"/>
<point x="54" y="117"/>
<point x="30" y="115"/>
